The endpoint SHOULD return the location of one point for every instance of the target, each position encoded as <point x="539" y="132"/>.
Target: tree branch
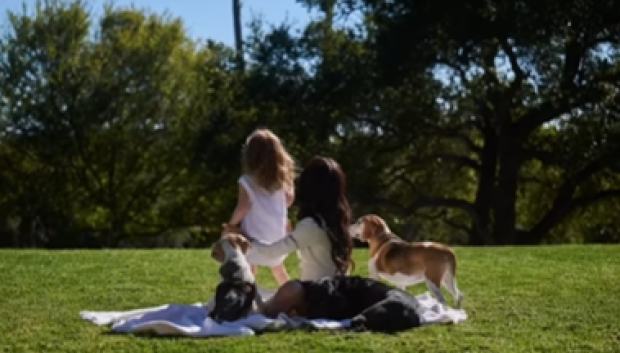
<point x="433" y="217"/>
<point x="429" y="202"/>
<point x="573" y="55"/>
<point x="461" y="161"/>
<point x="520" y="75"/>
<point x="489" y="54"/>
<point x="544" y="157"/>
<point x="457" y="226"/>
<point x="534" y="180"/>
<point x="458" y="133"/>
<point x="442" y="216"/>
<point x="422" y="203"/>
<point x="589" y="200"/>
<point x="383" y="202"/>
<point x="468" y="143"/>
<point x="565" y="203"/>
<point x="570" y="96"/>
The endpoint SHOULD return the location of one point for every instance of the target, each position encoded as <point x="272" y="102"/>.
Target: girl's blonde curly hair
<point x="267" y="163"/>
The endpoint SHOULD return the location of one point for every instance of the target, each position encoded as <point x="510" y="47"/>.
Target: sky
<point x="203" y="18"/>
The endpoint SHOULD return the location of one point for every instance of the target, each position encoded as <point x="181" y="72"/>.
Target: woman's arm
<point x="301" y="238"/>
<point x="242" y="208"/>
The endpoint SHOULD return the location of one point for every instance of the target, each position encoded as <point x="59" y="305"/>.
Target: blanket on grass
<point x="193" y="320"/>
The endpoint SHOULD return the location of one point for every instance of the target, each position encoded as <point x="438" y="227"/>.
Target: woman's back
<point x="314" y="261"/>
<point x="313" y="248"/>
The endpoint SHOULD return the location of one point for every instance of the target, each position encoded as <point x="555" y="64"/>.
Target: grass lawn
<point x="546" y="299"/>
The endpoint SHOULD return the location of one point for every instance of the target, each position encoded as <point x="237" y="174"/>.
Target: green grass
<point x="546" y="299"/>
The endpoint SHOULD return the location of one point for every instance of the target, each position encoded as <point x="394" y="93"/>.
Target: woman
<point x="321" y="236"/>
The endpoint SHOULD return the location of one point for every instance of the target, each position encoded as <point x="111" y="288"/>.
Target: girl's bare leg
<point x="289" y="297"/>
<point x="254" y="270"/>
<point x="280" y="274"/>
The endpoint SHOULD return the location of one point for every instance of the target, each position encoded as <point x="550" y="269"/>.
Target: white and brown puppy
<point x="405" y="264"/>
<point x="230" y="252"/>
<point x="237" y="294"/>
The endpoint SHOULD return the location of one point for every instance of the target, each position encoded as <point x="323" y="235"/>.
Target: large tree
<point x="510" y="71"/>
<point x="108" y="105"/>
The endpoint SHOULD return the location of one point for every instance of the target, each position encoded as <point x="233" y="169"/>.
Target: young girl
<point x="266" y="191"/>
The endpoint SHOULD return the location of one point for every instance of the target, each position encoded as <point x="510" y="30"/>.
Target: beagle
<point x="237" y="294"/>
<point x="405" y="264"/>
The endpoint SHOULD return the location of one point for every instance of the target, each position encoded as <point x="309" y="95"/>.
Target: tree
<point x="558" y="64"/>
<point x="107" y="110"/>
<point x="480" y="122"/>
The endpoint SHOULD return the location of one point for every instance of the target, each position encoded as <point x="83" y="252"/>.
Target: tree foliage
<point x="477" y="122"/>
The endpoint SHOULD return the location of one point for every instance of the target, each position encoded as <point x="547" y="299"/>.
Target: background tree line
<point x="473" y="122"/>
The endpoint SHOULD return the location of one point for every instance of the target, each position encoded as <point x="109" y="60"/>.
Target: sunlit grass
<point x="546" y="299"/>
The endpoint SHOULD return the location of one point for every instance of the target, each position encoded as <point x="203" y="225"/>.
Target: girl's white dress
<point x="265" y="221"/>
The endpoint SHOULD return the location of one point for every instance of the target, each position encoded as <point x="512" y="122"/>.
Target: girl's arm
<point x="242" y="208"/>
<point x="290" y="198"/>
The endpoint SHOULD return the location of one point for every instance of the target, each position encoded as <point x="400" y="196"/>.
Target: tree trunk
<point x="485" y="190"/>
<point x="506" y="193"/>
<point x="238" y="34"/>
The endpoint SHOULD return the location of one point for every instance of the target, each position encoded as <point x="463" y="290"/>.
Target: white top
<point x="312" y="245"/>
<point x="266" y="219"/>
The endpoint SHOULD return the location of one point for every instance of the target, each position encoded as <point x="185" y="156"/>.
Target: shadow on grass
<point x="346" y="333"/>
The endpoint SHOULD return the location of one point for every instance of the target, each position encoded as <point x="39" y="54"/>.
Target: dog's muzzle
<point x="355" y="230"/>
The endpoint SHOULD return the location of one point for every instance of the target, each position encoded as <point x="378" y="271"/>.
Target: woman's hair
<point x="267" y="163"/>
<point x="321" y="195"/>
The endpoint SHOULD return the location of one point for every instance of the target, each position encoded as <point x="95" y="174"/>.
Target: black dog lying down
<point x="372" y="305"/>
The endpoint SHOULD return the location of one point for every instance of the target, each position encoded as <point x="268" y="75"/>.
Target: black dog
<point x="372" y="305"/>
<point x="235" y="294"/>
<point x="234" y="299"/>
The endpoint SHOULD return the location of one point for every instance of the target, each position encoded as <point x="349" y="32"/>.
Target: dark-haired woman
<point x="321" y="236"/>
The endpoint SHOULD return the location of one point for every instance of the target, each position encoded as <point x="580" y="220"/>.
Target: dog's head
<point x="367" y="227"/>
<point x="229" y="244"/>
<point x="233" y="300"/>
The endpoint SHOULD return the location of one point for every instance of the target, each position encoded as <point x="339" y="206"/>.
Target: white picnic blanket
<point x="193" y="321"/>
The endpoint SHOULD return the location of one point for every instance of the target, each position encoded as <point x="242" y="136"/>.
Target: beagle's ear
<point x="217" y="253"/>
<point x="245" y="244"/>
<point x="374" y="225"/>
<point x="224" y="228"/>
<point x="240" y="242"/>
<point x="365" y="227"/>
